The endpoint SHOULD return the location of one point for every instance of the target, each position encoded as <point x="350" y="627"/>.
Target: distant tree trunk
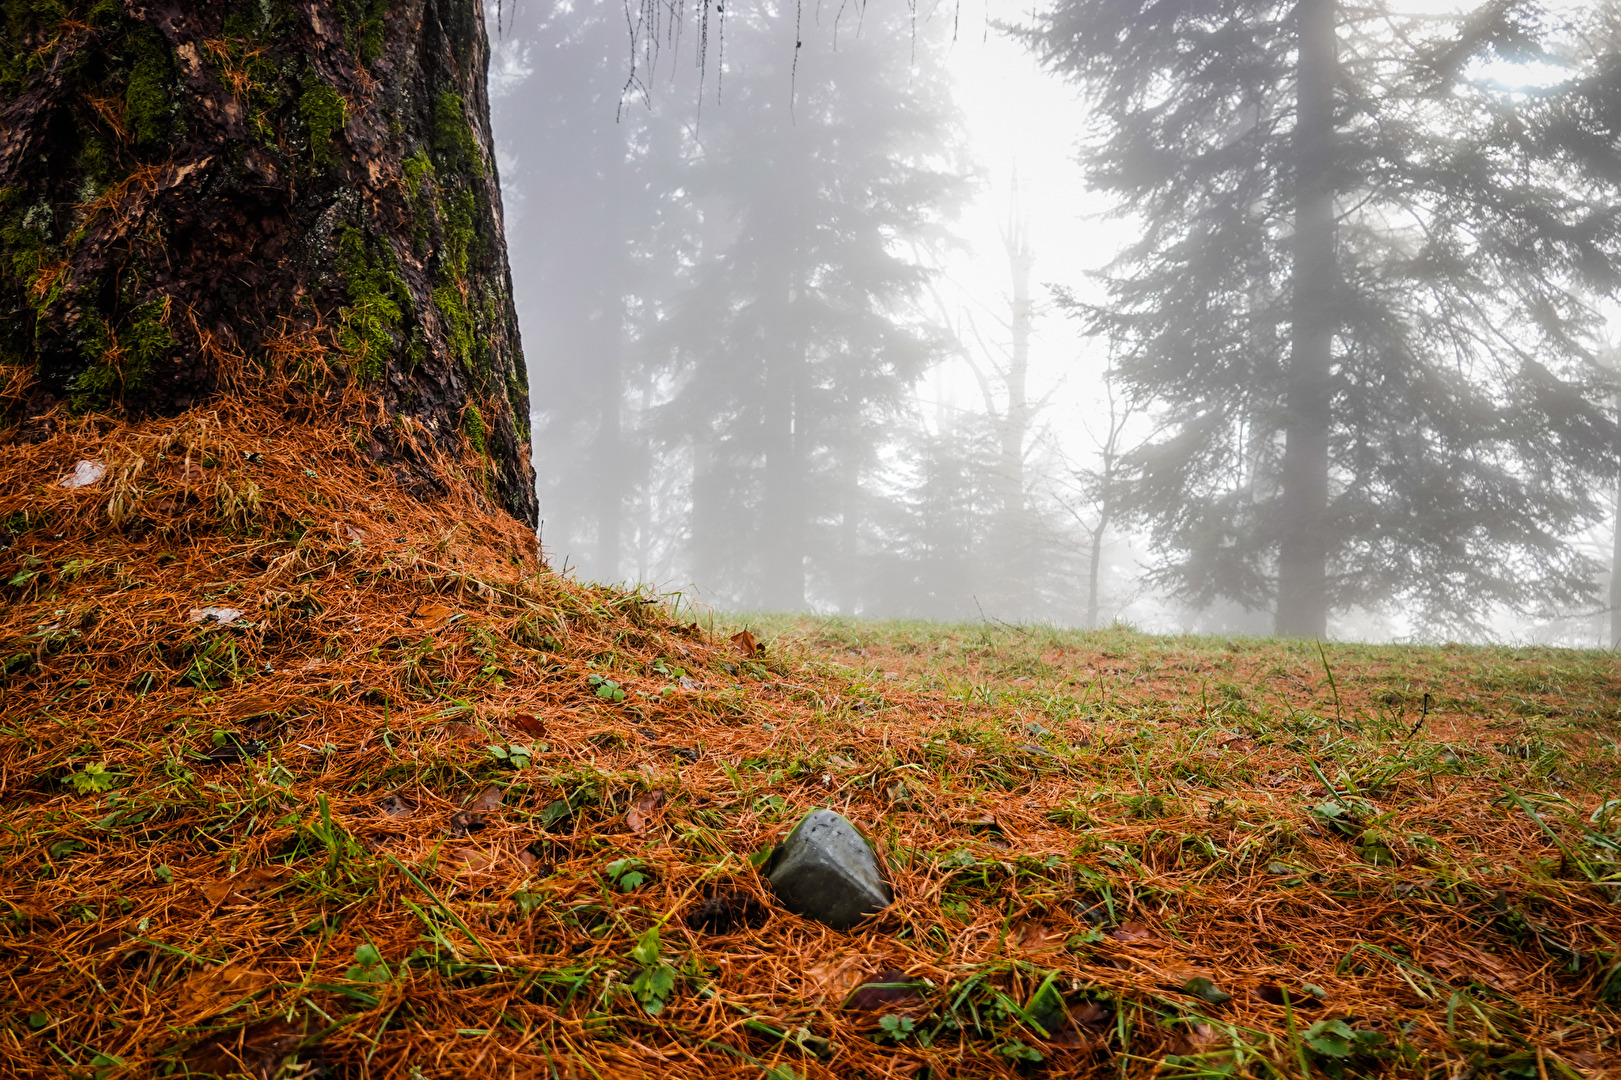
<point x="612" y="478"/>
<point x="1094" y="565"/>
<point x="292" y="203"/>
<point x="783" y="509"/>
<point x="1013" y="522"/>
<point x="1615" y="552"/>
<point x="610" y="492"/>
<point x="1615" y="576"/>
<point x="1303" y="555"/>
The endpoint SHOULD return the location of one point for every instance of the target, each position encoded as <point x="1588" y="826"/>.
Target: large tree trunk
<point x="1303" y="553"/>
<point x="293" y="202"/>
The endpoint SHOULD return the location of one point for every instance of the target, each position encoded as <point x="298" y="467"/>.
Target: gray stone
<point x="825" y="871"/>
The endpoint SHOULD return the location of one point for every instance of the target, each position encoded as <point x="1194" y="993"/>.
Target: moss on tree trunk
<point x="201" y="197"/>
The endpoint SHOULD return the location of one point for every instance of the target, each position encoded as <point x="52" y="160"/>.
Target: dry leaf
<point x="473" y="859"/>
<point x="432" y="614"/>
<point x="529" y="724"/>
<point x="208" y="990"/>
<point x="249" y="707"/>
<point x="1193" y="1039"/>
<point x="355" y="534"/>
<point x="745" y="643"/>
<point x="1473" y="965"/>
<point x="240" y="889"/>
<point x="258" y="1050"/>
<point x="883" y="991"/>
<point x="224" y="616"/>
<point x="1274" y="994"/>
<point x="486" y="801"/>
<point x="1033" y="936"/>
<point x="835" y="977"/>
<point x="1133" y="933"/>
<point x="394" y="806"/>
<point x="84" y="474"/>
<point x="641" y="810"/>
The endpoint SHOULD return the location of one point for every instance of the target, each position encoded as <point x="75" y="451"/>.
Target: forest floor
<point x="426" y="808"/>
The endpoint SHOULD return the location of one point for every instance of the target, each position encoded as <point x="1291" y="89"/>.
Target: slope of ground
<point x="425" y="807"/>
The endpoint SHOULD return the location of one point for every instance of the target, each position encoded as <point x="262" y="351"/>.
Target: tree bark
<point x="1303" y="551"/>
<point x="294" y="203"/>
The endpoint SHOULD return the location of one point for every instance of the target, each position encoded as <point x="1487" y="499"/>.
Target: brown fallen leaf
<point x="745" y="643"/>
<point x="209" y="990"/>
<point x="640" y="812"/>
<point x="241" y="888"/>
<point x="487" y="801"/>
<point x="259" y="1050"/>
<point x="355" y="534"/>
<point x="394" y="805"/>
<point x="1092" y="1015"/>
<point x="1194" y="1038"/>
<point x="888" y="988"/>
<point x="1275" y="994"/>
<point x="529" y="724"/>
<point x="473" y="858"/>
<point x="1133" y="933"/>
<point x="1033" y="936"/>
<point x="432" y="614"/>
<point x="247" y="708"/>
<point x="462" y="823"/>
<point x="1473" y="965"/>
<point x="835" y="977"/>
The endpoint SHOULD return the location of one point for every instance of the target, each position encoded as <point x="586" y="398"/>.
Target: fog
<point x="953" y="312"/>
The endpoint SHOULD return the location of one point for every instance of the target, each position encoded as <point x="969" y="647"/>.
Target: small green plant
<point x="1340" y="1050"/>
<point x="656" y="981"/>
<point x="1017" y="1052"/>
<point x="896" y="1028"/>
<point x="512" y="756"/>
<point x="607" y="689"/>
<point x="1347" y="817"/>
<point x="626" y="874"/>
<point x="93" y="779"/>
<point x="369" y="966"/>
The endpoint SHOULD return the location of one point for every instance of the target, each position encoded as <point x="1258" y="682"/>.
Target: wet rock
<point x="824" y="870"/>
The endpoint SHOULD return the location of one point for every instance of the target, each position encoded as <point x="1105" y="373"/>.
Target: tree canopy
<point x="1363" y="301"/>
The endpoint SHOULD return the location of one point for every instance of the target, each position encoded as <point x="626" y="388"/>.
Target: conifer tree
<point x="788" y="355"/>
<point x="1360" y="306"/>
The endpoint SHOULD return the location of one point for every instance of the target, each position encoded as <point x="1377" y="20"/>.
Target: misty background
<point x="918" y="310"/>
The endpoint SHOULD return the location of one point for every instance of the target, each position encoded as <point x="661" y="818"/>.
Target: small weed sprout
<point x="656" y="981"/>
<point x="512" y="756"/>
<point x="896" y="1028"/>
<point x="607" y="689"/>
<point x="369" y="966"/>
<point x="93" y="779"/>
<point x="626" y="873"/>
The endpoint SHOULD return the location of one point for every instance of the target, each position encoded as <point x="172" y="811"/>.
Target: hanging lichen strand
<point x="263" y="198"/>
